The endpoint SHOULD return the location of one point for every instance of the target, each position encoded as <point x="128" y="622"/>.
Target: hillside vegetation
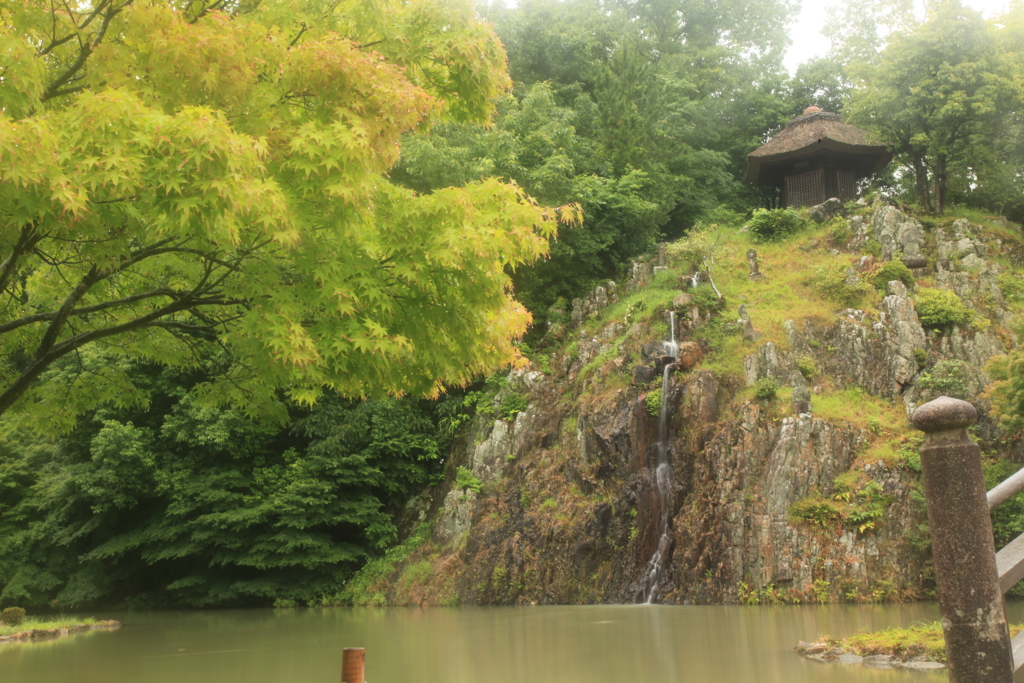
<point x="768" y="506"/>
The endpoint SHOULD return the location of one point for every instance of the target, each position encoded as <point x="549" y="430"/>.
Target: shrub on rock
<point x="893" y="270"/>
<point x="940" y="308"/>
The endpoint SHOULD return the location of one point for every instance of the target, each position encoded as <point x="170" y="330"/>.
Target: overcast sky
<point x="808" y="41"/>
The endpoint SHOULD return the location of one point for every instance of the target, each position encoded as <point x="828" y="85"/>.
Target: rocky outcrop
<point x="827" y="210"/>
<point x="768" y="499"/>
<point x="736" y="526"/>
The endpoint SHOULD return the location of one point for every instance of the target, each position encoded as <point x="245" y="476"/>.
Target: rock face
<point x="767" y="499"/>
<point x="737" y="529"/>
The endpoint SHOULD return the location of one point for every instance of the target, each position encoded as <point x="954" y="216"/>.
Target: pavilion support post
<point x="352" y="664"/>
<point x="973" y="620"/>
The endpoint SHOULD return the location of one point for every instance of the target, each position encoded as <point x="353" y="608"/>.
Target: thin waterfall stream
<point x="663" y="473"/>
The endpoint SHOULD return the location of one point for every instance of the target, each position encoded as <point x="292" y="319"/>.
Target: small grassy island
<point x="919" y="646"/>
<point x="15" y="627"/>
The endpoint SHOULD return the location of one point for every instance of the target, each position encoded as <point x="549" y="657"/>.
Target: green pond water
<point x="590" y="644"/>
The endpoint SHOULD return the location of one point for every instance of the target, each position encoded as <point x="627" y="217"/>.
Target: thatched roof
<point x="813" y="133"/>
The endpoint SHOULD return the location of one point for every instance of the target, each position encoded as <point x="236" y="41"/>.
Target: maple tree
<point x="205" y="184"/>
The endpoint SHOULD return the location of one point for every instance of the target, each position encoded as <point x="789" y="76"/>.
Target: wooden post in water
<point x="352" y="664"/>
<point x="966" y="578"/>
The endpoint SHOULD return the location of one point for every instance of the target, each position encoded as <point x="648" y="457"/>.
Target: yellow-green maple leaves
<point x="177" y="181"/>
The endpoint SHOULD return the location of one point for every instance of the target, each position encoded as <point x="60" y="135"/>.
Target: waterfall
<point x="663" y="474"/>
<point x="670" y="347"/>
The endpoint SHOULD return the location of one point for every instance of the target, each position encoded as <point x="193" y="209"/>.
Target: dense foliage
<point x="186" y="504"/>
<point x="776" y="224"/>
<point x="643" y="114"/>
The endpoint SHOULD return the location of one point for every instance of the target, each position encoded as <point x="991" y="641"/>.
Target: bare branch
<point x="66" y="91"/>
<point x="55" y="351"/>
<point x="55" y="44"/>
<point x="61" y="315"/>
<point x="212" y="7"/>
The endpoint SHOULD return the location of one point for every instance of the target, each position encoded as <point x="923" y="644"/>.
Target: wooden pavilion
<point x="815" y="157"/>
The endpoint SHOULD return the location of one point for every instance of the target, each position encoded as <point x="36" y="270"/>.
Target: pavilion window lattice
<point x="841" y="184"/>
<point x="805" y="189"/>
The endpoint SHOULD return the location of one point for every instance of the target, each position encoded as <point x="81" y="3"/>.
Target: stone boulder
<point x="826" y="211"/>
<point x="642" y="374"/>
<point x="690" y="354"/>
<point x="682" y="301"/>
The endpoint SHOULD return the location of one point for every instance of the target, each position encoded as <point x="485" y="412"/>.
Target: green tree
<point x="556" y="154"/>
<point x="186" y="504"/>
<point x="821" y="82"/>
<point x="858" y="31"/>
<point x="180" y="178"/>
<point x="1007" y="388"/>
<point x="937" y="96"/>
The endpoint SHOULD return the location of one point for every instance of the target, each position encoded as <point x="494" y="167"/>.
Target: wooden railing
<point x="1010" y="560"/>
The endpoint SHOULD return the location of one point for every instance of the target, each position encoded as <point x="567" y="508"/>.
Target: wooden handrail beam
<point x="1010" y="564"/>
<point x="1018" y="651"/>
<point x="1006" y="489"/>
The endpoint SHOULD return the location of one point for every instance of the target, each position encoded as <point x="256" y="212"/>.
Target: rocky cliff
<point x="793" y="468"/>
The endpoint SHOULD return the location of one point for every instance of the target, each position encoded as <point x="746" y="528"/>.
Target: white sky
<point x="806" y="32"/>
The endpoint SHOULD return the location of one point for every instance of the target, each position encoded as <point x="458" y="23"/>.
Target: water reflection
<point x="594" y="644"/>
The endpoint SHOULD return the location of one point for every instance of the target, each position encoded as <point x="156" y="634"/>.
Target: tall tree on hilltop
<point x="178" y="178"/>
<point x="938" y="97"/>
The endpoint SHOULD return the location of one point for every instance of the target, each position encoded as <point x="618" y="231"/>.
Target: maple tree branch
<point x="86" y="310"/>
<point x="62" y="314"/>
<point x="108" y="11"/>
<point x="48" y="351"/>
<point x="55" y="43"/>
<point x="212" y="7"/>
<point x="302" y="30"/>
<point x="26" y="240"/>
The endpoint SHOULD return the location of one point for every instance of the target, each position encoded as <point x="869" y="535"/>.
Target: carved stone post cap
<point x="944" y="413"/>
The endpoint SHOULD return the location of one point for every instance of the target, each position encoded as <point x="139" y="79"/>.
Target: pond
<point x="567" y="644"/>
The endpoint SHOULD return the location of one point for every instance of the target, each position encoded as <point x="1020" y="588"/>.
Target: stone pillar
<point x="662" y="254"/>
<point x="967" y="582"/>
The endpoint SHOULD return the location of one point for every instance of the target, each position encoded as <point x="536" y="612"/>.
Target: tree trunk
<point x="941" y="180"/>
<point x="923" y="187"/>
